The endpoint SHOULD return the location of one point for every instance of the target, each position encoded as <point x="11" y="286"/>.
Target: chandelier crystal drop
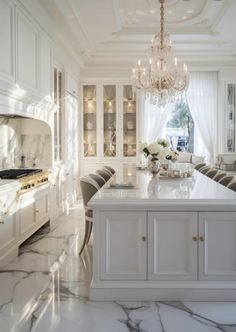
<point x="162" y="81"/>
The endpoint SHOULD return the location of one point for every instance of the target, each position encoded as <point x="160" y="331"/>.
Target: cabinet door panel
<point x="26" y="52"/>
<point x="6" y="39"/>
<point x="217" y="251"/>
<point x="27" y="215"/>
<point x="123" y="251"/>
<point x="45" y="68"/>
<point x="41" y="209"/>
<point x="171" y="249"/>
<point x="8" y="232"/>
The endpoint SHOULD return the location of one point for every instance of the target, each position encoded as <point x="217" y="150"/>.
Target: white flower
<point x="142" y="146"/>
<point x="154" y="148"/>
<point x="164" y="142"/>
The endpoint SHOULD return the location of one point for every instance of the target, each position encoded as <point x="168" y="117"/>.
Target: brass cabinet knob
<point x="195" y="238"/>
<point x="201" y="238"/>
<point x="144" y="238"/>
<point x="37" y="210"/>
<point x="1" y="222"/>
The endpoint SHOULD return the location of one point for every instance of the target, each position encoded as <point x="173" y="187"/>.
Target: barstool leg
<point x="90" y="231"/>
<point x="86" y="234"/>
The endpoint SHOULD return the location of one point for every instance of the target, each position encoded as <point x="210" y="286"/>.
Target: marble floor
<point x="46" y="289"/>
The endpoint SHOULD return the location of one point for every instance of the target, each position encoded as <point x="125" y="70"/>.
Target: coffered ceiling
<point x="115" y="33"/>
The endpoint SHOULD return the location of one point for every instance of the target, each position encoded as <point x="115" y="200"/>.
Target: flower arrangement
<point x="159" y="150"/>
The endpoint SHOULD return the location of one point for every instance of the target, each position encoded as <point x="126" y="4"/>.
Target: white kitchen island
<point x="166" y="239"/>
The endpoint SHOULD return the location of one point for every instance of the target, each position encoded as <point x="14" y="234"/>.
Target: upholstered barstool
<point x="98" y="178"/>
<point x="211" y="173"/>
<point x="89" y="187"/>
<point x="219" y="176"/>
<point x="198" y="166"/>
<point x="204" y="169"/>
<point x="104" y="173"/>
<point x="110" y="169"/>
<point x="232" y="185"/>
<point x="226" y="180"/>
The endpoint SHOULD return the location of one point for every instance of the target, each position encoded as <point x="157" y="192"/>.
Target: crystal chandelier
<point x="162" y="81"/>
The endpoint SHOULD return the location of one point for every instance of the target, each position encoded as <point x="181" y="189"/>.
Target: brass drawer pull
<point x="37" y="210"/>
<point x="144" y="238"/>
<point x="2" y="222"/>
<point x="195" y="238"/>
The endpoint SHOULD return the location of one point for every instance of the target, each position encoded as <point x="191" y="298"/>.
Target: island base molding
<point x="163" y="292"/>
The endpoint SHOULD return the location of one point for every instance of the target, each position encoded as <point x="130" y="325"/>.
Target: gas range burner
<point x="17" y="173"/>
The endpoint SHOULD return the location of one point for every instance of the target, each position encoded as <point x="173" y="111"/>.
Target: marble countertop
<point x="152" y="191"/>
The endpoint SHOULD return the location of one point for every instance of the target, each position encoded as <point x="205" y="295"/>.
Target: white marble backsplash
<point x="13" y="144"/>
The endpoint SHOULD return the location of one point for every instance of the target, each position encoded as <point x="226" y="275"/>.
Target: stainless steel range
<point x="29" y="178"/>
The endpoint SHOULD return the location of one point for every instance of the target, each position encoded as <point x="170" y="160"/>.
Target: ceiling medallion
<point x="163" y="81"/>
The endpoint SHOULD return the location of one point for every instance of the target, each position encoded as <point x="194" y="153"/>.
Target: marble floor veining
<point x="46" y="289"/>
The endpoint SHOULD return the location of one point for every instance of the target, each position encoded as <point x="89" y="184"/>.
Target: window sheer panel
<point x="154" y="120"/>
<point x="202" y="99"/>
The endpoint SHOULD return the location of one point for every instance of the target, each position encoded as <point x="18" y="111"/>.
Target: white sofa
<point x="226" y="161"/>
<point x="186" y="157"/>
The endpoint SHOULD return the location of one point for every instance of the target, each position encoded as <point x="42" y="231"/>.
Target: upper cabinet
<point x="6" y="40"/>
<point x="45" y="68"/>
<point x="230" y="116"/>
<point x="129" y="122"/>
<point x="26" y="52"/>
<point x="90" y="120"/>
<point x="25" y="58"/>
<point x="109" y="122"/>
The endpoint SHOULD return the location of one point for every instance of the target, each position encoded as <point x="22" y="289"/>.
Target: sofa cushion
<point x="184" y="157"/>
<point x="196" y="159"/>
<point x="227" y="159"/>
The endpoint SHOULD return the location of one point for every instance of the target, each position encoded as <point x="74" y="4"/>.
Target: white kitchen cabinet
<point x="123" y="245"/>
<point x="26" y="53"/>
<point x="8" y="233"/>
<point x="172" y="245"/>
<point x="45" y="68"/>
<point x="71" y="146"/>
<point x="110" y="126"/>
<point x="7" y="55"/>
<point x="55" y="201"/>
<point x="217" y="246"/>
<point x="33" y="211"/>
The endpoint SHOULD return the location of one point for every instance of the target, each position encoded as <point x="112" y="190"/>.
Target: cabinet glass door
<point x="90" y="121"/>
<point x="109" y="120"/>
<point x="230" y="109"/>
<point x="129" y="122"/>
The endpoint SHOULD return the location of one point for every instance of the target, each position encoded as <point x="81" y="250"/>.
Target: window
<point x="180" y="127"/>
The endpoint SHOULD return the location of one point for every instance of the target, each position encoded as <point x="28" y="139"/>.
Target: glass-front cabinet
<point x="109" y="123"/>
<point x="230" y="116"/>
<point x="129" y="122"/>
<point x="90" y="120"/>
<point x="109" y="120"/>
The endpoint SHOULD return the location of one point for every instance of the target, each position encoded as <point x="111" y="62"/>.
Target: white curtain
<point x="202" y="99"/>
<point x="153" y="121"/>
